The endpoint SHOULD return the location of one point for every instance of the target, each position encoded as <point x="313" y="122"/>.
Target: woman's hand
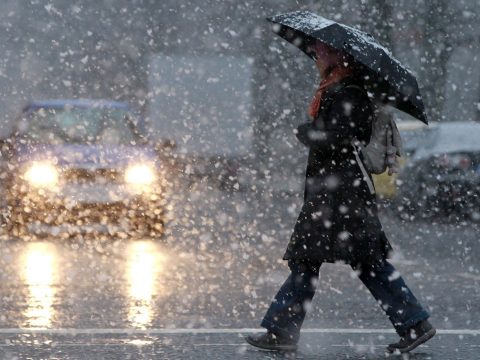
<point x="308" y="134"/>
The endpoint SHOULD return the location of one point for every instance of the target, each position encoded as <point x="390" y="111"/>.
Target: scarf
<point x="334" y="76"/>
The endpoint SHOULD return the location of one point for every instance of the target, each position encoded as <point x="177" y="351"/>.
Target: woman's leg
<point x="393" y="295"/>
<point x="287" y="311"/>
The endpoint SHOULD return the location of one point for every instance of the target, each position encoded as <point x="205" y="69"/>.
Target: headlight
<point x="42" y="175"/>
<point x="140" y="175"/>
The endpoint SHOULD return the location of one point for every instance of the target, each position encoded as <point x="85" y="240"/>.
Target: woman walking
<point x="338" y="221"/>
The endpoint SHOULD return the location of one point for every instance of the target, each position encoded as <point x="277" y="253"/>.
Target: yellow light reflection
<point x="39" y="265"/>
<point x="144" y="264"/>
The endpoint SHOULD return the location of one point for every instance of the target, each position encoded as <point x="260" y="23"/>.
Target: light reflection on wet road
<point x="50" y="280"/>
<point x="40" y="273"/>
<point x="144" y="265"/>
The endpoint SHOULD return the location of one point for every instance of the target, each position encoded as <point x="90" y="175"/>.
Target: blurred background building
<point x="111" y="49"/>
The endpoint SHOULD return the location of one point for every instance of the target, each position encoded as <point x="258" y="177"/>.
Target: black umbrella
<point x="388" y="80"/>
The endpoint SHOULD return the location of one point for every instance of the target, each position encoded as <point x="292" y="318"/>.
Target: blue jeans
<point x="287" y="311"/>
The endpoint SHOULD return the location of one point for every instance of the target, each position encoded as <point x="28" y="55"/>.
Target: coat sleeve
<point x="349" y="117"/>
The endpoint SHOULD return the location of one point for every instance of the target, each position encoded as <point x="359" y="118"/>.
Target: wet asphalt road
<point x="218" y="268"/>
<point x="220" y="346"/>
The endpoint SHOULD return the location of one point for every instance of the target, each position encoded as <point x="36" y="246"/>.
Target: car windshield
<point x="77" y="125"/>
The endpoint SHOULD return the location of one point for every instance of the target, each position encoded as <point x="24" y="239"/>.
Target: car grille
<point x="92" y="176"/>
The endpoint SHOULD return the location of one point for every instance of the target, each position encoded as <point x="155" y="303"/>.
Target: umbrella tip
<point x="423" y="118"/>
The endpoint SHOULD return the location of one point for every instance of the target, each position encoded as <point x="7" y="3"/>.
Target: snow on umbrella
<point x="388" y="80"/>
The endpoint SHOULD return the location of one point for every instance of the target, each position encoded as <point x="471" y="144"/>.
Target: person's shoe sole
<point x="271" y="347"/>
<point x="422" y="339"/>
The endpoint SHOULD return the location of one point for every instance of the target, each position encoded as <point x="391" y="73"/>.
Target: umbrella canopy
<point x="388" y="80"/>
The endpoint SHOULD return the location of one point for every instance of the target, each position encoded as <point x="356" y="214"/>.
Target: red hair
<point x="340" y="66"/>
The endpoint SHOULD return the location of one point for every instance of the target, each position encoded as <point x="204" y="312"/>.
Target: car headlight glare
<point x="140" y="175"/>
<point x="42" y="175"/>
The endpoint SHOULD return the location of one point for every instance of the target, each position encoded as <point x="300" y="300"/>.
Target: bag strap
<point x="357" y="148"/>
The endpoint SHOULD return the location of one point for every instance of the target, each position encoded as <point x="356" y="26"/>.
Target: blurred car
<point x="413" y="134"/>
<point x="443" y="176"/>
<point x="82" y="163"/>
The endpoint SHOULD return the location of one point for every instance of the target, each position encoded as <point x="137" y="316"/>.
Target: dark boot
<point x="415" y="336"/>
<point x="270" y="341"/>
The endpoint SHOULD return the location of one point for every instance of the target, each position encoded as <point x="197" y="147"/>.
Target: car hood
<point x="86" y="156"/>
<point x="450" y="137"/>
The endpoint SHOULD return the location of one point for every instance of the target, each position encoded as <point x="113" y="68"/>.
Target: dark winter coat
<point x="338" y="220"/>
